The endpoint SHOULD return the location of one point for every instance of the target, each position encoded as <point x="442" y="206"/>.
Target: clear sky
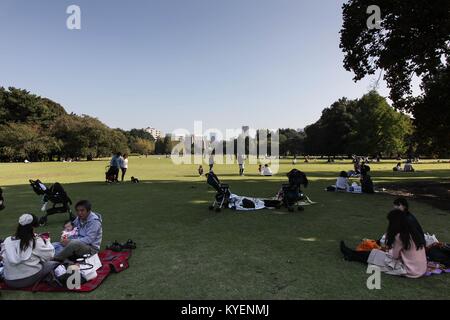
<point x="166" y="63"/>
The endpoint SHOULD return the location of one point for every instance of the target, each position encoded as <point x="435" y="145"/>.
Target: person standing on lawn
<point x="115" y="165"/>
<point x="124" y="165"/>
<point x="89" y="238"/>
<point x="211" y="162"/>
<point x="241" y="162"/>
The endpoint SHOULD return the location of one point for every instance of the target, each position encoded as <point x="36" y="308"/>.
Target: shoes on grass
<point x="117" y="247"/>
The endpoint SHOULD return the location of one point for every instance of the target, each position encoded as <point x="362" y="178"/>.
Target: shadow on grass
<point x="257" y="255"/>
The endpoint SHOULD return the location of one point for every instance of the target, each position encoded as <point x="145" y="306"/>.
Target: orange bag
<point x="367" y="245"/>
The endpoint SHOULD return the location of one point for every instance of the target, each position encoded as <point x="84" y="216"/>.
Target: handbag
<point x="89" y="267"/>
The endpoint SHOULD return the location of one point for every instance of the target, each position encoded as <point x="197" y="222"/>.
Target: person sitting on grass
<point x="402" y="205"/>
<point x="89" y="238"/>
<point x="342" y="182"/>
<point x="366" y="181"/>
<point x="408" y="167"/>
<point x="398" y="167"/>
<point x="266" y="171"/>
<point x="406" y="255"/>
<point x="26" y="256"/>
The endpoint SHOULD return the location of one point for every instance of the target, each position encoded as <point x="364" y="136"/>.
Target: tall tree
<point x="332" y="134"/>
<point x="414" y="40"/>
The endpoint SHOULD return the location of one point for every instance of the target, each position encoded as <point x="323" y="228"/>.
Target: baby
<point x="69" y="231"/>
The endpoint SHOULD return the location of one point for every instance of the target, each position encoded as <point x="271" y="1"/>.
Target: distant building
<point x="154" y="132"/>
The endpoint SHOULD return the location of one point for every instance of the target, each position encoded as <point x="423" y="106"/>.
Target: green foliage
<point x="363" y="126"/>
<point x="37" y="129"/>
<point x="413" y="41"/>
<point x="291" y="142"/>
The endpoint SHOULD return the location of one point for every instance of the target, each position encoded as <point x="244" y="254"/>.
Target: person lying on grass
<point x="406" y="244"/>
<point x="89" y="237"/>
<point x="26" y="256"/>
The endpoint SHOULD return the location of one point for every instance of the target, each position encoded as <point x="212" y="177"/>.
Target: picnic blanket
<point x="111" y="262"/>
<point x="435" y="268"/>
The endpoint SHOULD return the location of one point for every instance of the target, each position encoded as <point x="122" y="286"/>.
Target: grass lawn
<point x="187" y="252"/>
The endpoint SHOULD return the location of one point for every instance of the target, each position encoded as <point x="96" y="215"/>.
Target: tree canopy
<point x="413" y="41"/>
<point x="36" y="129"/>
<point x="368" y="125"/>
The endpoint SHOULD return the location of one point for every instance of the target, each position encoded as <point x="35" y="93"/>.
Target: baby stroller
<point x="2" y="200"/>
<point x="54" y="194"/>
<point x="111" y="174"/>
<point x="291" y="192"/>
<point x="223" y="192"/>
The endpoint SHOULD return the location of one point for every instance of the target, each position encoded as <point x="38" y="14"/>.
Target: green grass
<point x="187" y="252"/>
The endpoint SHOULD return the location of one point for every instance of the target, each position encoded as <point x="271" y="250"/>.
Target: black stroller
<point x="223" y="192"/>
<point x="54" y="194"/>
<point x="111" y="174"/>
<point x="2" y="200"/>
<point x="291" y="192"/>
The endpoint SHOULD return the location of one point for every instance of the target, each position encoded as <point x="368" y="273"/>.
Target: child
<point x="200" y="170"/>
<point x="68" y="232"/>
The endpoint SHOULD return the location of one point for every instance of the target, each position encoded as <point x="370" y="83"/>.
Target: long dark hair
<point x="26" y="233"/>
<point x="399" y="224"/>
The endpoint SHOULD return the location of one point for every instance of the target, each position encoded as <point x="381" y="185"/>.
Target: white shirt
<point x="20" y="264"/>
<point x="342" y="183"/>
<point x="124" y="163"/>
<point x="266" y="171"/>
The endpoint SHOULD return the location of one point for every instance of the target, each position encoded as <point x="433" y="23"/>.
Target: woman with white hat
<point x="26" y="256"/>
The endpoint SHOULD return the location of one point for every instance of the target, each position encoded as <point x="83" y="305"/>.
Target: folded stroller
<point x="2" y="200"/>
<point x="291" y="192"/>
<point x="223" y="192"/>
<point x="54" y="194"/>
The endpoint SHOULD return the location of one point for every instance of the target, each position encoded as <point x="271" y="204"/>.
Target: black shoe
<point x="346" y="251"/>
<point x="115" y="246"/>
<point x="130" y="244"/>
<point x="43" y="221"/>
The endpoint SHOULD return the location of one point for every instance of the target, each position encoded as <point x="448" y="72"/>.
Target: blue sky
<point x="166" y="63"/>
